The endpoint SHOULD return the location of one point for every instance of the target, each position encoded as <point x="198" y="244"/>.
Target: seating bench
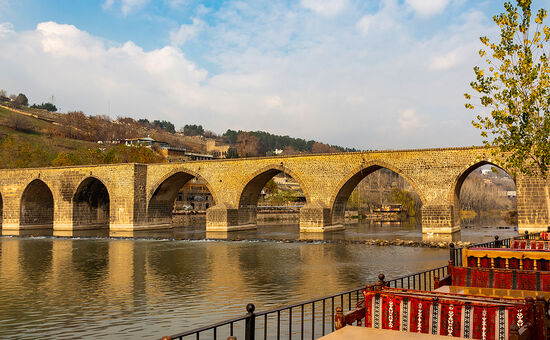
<point x="530" y="244"/>
<point x="448" y="314"/>
<point x="496" y="278"/>
<point x="506" y="258"/>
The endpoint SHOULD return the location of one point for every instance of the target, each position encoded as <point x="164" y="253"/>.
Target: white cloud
<point x="408" y="119"/>
<point x="186" y="32"/>
<point x="387" y="18"/>
<point x="347" y="81"/>
<point x="126" y="6"/>
<point x="5" y="28"/>
<point x="325" y="7"/>
<point x="365" y="23"/>
<point x="445" y="61"/>
<point x="427" y="8"/>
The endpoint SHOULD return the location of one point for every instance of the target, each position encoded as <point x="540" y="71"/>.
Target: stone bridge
<point x="129" y="197"/>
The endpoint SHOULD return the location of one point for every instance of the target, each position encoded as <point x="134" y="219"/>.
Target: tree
<point x="165" y="125"/>
<point x="248" y="145"/>
<point x="193" y="130"/>
<point x="514" y="87"/>
<point x="322" y="148"/>
<point x="21" y="100"/>
<point x="19" y="122"/>
<point x="45" y="106"/>
<point x="406" y="199"/>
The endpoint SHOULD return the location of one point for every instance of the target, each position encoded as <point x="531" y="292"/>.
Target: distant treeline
<point x="269" y="142"/>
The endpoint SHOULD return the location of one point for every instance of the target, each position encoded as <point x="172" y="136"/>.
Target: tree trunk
<point x="547" y="196"/>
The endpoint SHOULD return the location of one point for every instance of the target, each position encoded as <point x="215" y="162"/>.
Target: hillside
<point x="37" y="137"/>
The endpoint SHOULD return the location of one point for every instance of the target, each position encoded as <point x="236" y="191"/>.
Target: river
<point x="100" y="287"/>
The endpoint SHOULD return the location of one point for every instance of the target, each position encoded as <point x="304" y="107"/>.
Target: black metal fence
<point x="314" y="318"/>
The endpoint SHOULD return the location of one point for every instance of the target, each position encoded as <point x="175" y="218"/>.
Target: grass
<point x="40" y="135"/>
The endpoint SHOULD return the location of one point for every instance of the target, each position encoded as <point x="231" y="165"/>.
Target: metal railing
<point x="314" y="318"/>
<point x="304" y="320"/>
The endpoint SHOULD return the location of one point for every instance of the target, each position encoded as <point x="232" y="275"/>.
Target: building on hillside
<point x="171" y="153"/>
<point x="217" y="151"/>
<point x="193" y="196"/>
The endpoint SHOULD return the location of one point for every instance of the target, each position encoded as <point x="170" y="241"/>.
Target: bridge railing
<point x="313" y="318"/>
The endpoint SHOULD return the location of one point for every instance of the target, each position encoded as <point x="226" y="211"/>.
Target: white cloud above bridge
<point x="371" y="76"/>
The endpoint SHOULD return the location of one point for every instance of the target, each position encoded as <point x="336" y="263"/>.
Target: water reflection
<point x="96" y="288"/>
<point x="149" y="283"/>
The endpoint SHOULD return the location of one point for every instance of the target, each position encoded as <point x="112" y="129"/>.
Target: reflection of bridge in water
<point x="127" y="197"/>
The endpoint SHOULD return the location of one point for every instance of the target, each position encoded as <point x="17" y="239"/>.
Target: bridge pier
<point x="532" y="204"/>
<point x="439" y="219"/>
<point x="222" y="217"/>
<point x="317" y="218"/>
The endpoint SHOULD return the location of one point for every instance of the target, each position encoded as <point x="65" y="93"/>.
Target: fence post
<point x="498" y="243"/>
<point x="250" y="325"/>
<point x="381" y="283"/>
<point x="452" y="253"/>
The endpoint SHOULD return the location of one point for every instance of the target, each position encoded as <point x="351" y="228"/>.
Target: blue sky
<point x="365" y="74"/>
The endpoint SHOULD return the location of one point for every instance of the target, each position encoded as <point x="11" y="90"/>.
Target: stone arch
<point x="252" y="188"/>
<point x="344" y="189"/>
<point x="91" y="204"/>
<point x="37" y="205"/>
<point x="454" y="195"/>
<point x="162" y="197"/>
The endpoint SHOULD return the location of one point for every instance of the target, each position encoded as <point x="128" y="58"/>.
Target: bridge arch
<point x="454" y="195"/>
<point x="252" y="188"/>
<point x="37" y="205"/>
<point x="163" y="195"/>
<point x="344" y="189"/>
<point x="91" y="204"/>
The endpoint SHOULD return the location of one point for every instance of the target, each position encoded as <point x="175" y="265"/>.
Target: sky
<point x="386" y="74"/>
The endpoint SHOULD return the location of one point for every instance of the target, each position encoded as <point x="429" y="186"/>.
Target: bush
<point x="19" y="123"/>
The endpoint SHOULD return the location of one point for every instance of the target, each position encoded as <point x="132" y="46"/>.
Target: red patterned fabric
<point x="485" y="262"/>
<point x="368" y="309"/>
<point x="479" y="278"/>
<point x="500" y="262"/>
<point x="538" y="245"/>
<point x="459" y="276"/>
<point x="543" y="265"/>
<point x="451" y="317"/>
<point x="545" y="282"/>
<point x="484" y="323"/>
<point x="444" y="313"/>
<point x="472" y="261"/>
<point x="518" y="315"/>
<point x="528" y="264"/>
<point x="420" y="315"/>
<point x="390" y="312"/>
<point x="526" y="281"/>
<point x="502" y="279"/>
<point x="513" y="263"/>
<point x="544" y="236"/>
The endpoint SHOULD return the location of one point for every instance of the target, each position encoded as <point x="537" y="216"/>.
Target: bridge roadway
<point x="128" y="197"/>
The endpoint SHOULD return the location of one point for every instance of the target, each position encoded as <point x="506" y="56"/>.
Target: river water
<point x="99" y="287"/>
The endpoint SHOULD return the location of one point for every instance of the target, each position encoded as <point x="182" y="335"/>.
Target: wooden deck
<point x="362" y="333"/>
